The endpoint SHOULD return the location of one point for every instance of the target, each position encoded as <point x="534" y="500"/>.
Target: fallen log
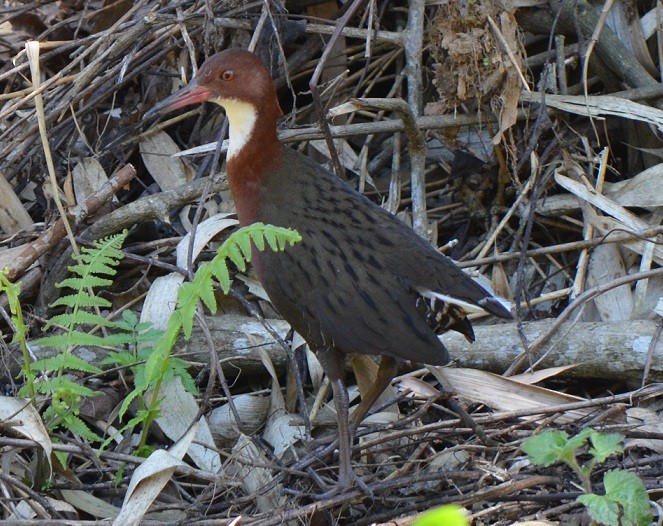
<point x="614" y="350"/>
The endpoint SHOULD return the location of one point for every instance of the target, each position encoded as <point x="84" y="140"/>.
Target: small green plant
<point x="625" y="502"/>
<point x="138" y="346"/>
<point x="157" y="370"/>
<point x="12" y="291"/>
<point x="54" y="377"/>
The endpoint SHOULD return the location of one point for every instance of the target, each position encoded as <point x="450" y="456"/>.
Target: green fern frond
<point x="80" y="317"/>
<point x="128" y="399"/>
<point x="83" y="339"/>
<point x="159" y="365"/>
<point x="77" y="426"/>
<point x="65" y="388"/>
<point x="237" y="247"/>
<point x="82" y="299"/>
<point x="181" y="368"/>
<point x="187" y="303"/>
<point x="65" y="361"/>
<point x="102" y="258"/>
<point x="121" y="359"/>
<point x="234" y="253"/>
<point x="73" y="337"/>
<point x="91" y="265"/>
<point x="88" y="280"/>
<point x="221" y="274"/>
<point x="96" y="261"/>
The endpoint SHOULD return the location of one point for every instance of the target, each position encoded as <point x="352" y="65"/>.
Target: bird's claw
<point x="346" y="482"/>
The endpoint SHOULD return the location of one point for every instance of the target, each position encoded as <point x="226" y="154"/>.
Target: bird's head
<point x="229" y="77"/>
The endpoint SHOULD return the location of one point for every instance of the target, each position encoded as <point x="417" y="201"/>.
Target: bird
<point x="361" y="280"/>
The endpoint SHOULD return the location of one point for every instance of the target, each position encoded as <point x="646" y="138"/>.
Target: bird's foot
<point x="346" y="482"/>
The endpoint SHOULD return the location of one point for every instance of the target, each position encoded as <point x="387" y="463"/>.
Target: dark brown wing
<point x="354" y="280"/>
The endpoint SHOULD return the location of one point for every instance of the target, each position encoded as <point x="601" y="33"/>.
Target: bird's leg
<point x="341" y="402"/>
<point x="331" y="360"/>
<point x="332" y="363"/>
<point x="386" y="372"/>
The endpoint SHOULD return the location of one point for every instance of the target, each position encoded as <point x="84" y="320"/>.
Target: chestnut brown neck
<point x="254" y="154"/>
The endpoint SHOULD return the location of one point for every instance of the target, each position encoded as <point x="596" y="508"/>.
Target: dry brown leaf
<point x="206" y="230"/>
<point x="177" y="411"/>
<point x="648" y="421"/>
<point x="28" y="422"/>
<point x="606" y="264"/>
<point x="365" y="370"/>
<point x="510" y="95"/>
<point x="253" y="411"/>
<point x="13" y="216"/>
<point x="642" y="190"/>
<point x="85" y="501"/>
<point x="539" y="376"/>
<point x="418" y="387"/>
<point x="505" y="394"/>
<point x="254" y="478"/>
<point x="157" y="151"/>
<point x="87" y="177"/>
<point x="150" y="478"/>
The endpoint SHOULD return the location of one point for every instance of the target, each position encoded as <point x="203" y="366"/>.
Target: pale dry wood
<point x="644" y="190"/>
<point x="599" y="106"/>
<point x="616" y="350"/>
<point x="625" y="220"/>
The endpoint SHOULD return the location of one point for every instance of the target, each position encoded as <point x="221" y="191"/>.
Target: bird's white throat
<point x="242" y="120"/>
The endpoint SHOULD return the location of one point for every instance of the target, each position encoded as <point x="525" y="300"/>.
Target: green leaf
<point x="122" y="359"/>
<point x="74" y="339"/>
<point x="605" y="444"/>
<point x="579" y="440"/>
<point x="80" y="428"/>
<point x="206" y="293"/>
<point x="88" y="280"/>
<point x="235" y="255"/>
<point x="119" y="475"/>
<point x="62" y="457"/>
<point x="81" y="300"/>
<point x="602" y="509"/>
<point x="546" y="448"/>
<point x="629" y="491"/>
<point x="272" y="240"/>
<point x="181" y="368"/>
<point x="186" y="307"/>
<point x="61" y="388"/>
<point x="258" y="240"/>
<point x="450" y="515"/>
<point x="118" y="339"/>
<point x="64" y="361"/>
<point x="80" y="317"/>
<point x="130" y="318"/>
<point x="244" y="243"/>
<point x="222" y="275"/>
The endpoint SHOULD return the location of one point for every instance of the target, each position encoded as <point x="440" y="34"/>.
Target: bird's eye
<point x="228" y="74"/>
